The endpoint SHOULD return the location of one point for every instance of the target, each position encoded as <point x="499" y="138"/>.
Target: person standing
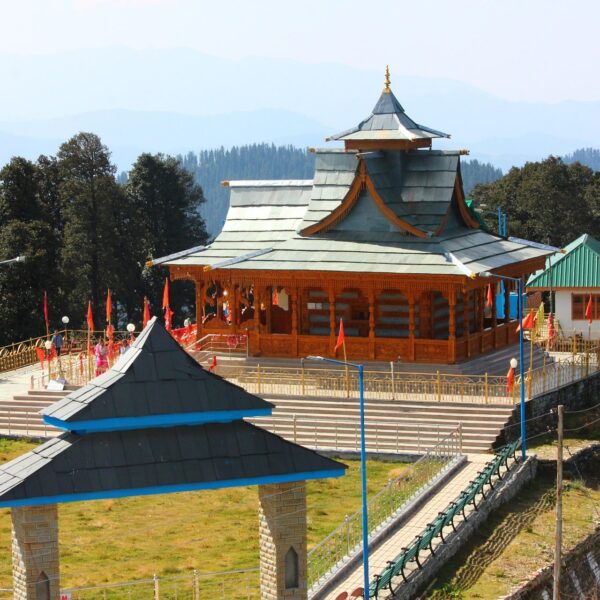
<point x="57" y="342"/>
<point x="101" y="352"/>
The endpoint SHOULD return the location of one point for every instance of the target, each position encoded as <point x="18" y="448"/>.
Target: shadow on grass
<point x="467" y="566"/>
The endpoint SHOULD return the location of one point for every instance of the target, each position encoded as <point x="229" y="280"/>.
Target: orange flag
<point x="146" y="311"/>
<point x="341" y="339"/>
<point x="108" y="306"/>
<point x="528" y="321"/>
<point x="168" y="319"/>
<point x="490" y="296"/>
<point x="165" y="302"/>
<point x="589" y="310"/>
<point x="90" y="317"/>
<point x="510" y="380"/>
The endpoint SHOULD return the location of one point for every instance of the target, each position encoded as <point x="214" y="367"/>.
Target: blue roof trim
<point x="169" y="489"/>
<point x="164" y="420"/>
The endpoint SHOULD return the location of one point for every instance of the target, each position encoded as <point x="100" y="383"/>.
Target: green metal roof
<point x="577" y="267"/>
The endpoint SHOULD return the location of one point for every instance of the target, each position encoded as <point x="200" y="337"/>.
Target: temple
<point x="381" y="237"/>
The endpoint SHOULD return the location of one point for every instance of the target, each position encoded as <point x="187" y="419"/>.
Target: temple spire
<point x="386" y="87"/>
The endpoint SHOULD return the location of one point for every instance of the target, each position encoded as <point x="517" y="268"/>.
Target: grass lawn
<point x="518" y="539"/>
<point x="126" y="539"/>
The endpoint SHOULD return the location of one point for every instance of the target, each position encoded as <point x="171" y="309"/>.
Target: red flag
<point x="166" y="302"/>
<point x="490" y="296"/>
<point x="589" y="310"/>
<point x="528" y="321"/>
<point x="146" y="311"/>
<point x="551" y="331"/>
<point x="108" y="306"/>
<point x="168" y="319"/>
<point x="41" y="354"/>
<point x="510" y="380"/>
<point x="110" y="331"/>
<point x="341" y="339"/>
<point x="90" y="317"/>
<point x="46" y="311"/>
<point x="213" y="364"/>
<point x="275" y="298"/>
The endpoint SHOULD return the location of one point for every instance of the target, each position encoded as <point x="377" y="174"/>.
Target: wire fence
<point x="341" y="545"/>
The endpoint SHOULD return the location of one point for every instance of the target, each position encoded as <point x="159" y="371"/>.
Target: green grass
<point x="126" y="539"/>
<point x="518" y="539"/>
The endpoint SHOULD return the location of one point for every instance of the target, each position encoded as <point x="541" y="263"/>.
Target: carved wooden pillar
<point x="494" y="315"/>
<point x="452" y="326"/>
<point x="200" y="292"/>
<point x="234" y="307"/>
<point x="467" y="320"/>
<point x="480" y="315"/>
<point x="331" y="296"/>
<point x="294" y="302"/>
<point x="411" y="325"/>
<point x="268" y="306"/>
<point x="371" y="298"/>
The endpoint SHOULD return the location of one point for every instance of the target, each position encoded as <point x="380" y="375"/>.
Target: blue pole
<point x="363" y="472"/>
<point x="521" y="367"/>
<point x="499" y="221"/>
<point x="505" y="225"/>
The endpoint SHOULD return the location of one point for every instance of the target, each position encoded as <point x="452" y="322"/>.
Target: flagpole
<point x="347" y="373"/>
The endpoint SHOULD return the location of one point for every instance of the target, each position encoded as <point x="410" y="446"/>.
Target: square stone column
<point x="282" y="529"/>
<point x="35" y="552"/>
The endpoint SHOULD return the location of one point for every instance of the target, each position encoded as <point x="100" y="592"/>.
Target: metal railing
<point x="384" y="385"/>
<point x="239" y="584"/>
<point x="345" y="542"/>
<point x="332" y="434"/>
<point x="219" y="343"/>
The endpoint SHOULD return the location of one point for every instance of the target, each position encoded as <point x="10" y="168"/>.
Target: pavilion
<point x="157" y="423"/>
<point x="381" y="237"/>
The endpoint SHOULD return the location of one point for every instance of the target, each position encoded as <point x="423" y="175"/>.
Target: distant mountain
<point x="176" y="99"/>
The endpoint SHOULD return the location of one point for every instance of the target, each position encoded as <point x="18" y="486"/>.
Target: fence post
<point x="529" y="383"/>
<point x="156" y="588"/>
<point x="347" y="520"/>
<point x="485" y="387"/>
<point x="302" y="379"/>
<point x="258" y="377"/>
<point x="393" y="380"/>
<point x="460" y="437"/>
<point x="195" y="590"/>
<point x="439" y="387"/>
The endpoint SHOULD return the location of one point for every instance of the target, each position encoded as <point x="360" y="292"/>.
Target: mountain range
<point x="177" y="100"/>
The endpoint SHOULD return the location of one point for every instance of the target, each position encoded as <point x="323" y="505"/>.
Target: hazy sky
<point x="518" y="49"/>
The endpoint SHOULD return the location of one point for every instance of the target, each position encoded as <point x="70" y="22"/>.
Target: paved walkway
<point x="17" y="381"/>
<point x="392" y="546"/>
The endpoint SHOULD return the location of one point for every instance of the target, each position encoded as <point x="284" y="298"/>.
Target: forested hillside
<point x="590" y="157"/>
<point x="267" y="161"/>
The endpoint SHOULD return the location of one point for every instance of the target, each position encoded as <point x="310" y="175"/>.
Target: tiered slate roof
<point x="155" y="423"/>
<point x="577" y="266"/>
<point x="390" y="210"/>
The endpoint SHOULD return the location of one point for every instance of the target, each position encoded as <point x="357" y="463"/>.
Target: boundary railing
<point x="344" y="543"/>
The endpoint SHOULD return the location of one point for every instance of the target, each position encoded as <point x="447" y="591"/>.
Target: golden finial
<point x="386" y="89"/>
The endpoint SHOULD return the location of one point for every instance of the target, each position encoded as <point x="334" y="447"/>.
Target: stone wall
<point x="574" y="396"/>
<point x="282" y="539"/>
<point x="35" y="555"/>
<point x="504" y="491"/>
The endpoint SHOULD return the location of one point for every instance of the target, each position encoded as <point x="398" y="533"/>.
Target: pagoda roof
<point x="577" y="266"/>
<point x="155" y="383"/>
<point x="114" y="464"/>
<point x="388" y="122"/>
<point x="375" y="212"/>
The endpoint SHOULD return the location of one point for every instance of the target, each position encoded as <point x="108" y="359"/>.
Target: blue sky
<point x="524" y="50"/>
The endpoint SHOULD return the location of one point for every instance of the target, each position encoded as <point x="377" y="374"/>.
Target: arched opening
<point x="291" y="569"/>
<point x="281" y="315"/>
<point x="315" y="313"/>
<point x="42" y="587"/>
<point x="353" y="307"/>
<point x="392" y="315"/>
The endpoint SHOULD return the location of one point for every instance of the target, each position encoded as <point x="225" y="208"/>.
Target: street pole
<point x="559" y="487"/>
<point x="363" y="474"/>
<point x="521" y="367"/>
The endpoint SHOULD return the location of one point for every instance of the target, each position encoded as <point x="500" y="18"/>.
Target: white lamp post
<point x="513" y="363"/>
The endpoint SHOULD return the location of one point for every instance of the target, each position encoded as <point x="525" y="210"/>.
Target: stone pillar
<point x="35" y="552"/>
<point x="282" y="531"/>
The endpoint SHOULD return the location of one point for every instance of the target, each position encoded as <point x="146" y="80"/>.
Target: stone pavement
<point x="393" y="544"/>
<point x="17" y="381"/>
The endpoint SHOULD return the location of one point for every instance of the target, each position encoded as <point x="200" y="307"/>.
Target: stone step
<point x="20" y="407"/>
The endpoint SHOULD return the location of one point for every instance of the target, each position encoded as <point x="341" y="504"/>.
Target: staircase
<point x="19" y="415"/>
<point x="391" y="426"/>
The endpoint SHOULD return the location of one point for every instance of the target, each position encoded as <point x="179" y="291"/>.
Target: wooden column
<point x="411" y="325"/>
<point x="480" y="309"/>
<point x="467" y="321"/>
<point x="494" y="314"/>
<point x="332" y="332"/>
<point x="234" y="307"/>
<point x="371" y="298"/>
<point x="452" y="326"/>
<point x="200" y="292"/>
<point x="254" y="342"/>
<point x="294" y="308"/>
<point x="268" y="306"/>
